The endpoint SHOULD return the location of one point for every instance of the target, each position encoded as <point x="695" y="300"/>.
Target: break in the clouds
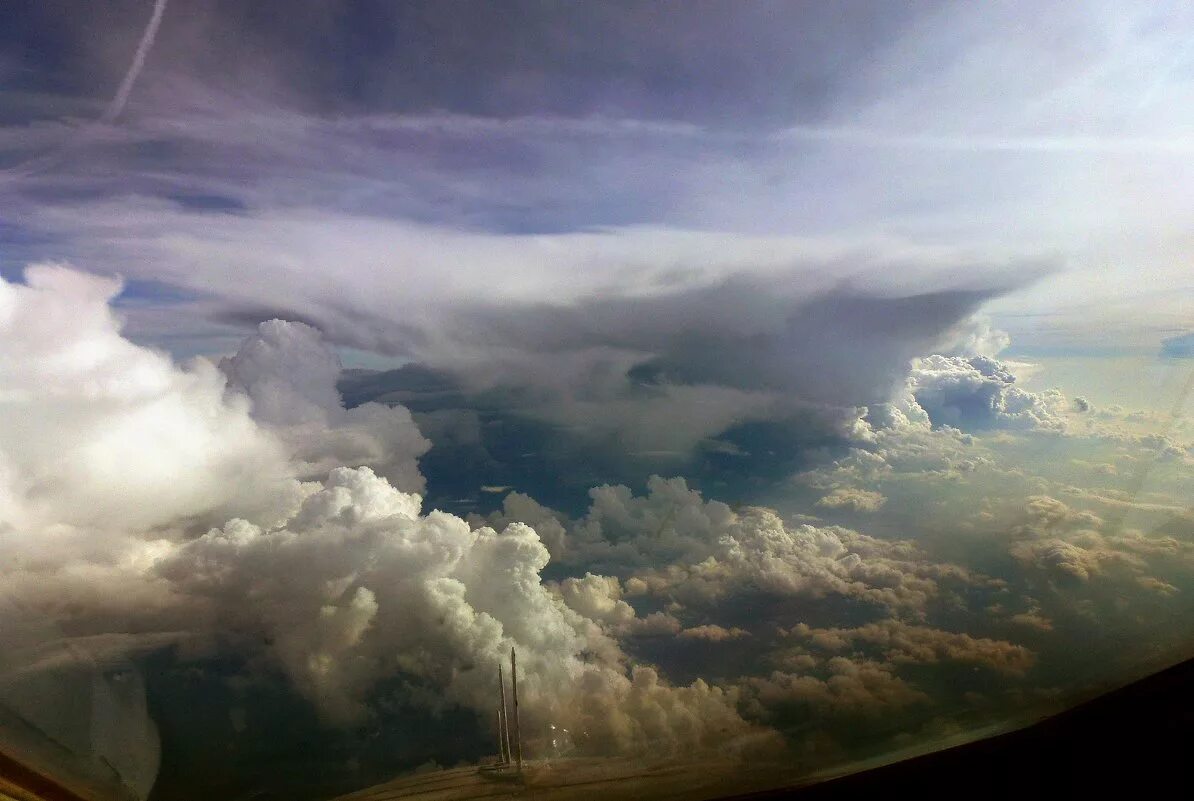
<point x="1178" y="347"/>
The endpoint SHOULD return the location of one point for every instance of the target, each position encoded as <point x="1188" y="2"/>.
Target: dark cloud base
<point x="485" y="440"/>
<point x="202" y="754"/>
<point x="225" y="736"/>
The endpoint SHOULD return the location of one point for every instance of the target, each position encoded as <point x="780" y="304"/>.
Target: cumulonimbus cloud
<point x="351" y="581"/>
<point x="657" y="338"/>
<point x="113" y="457"/>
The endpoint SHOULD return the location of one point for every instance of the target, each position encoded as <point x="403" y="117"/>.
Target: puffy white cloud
<point x="979" y="393"/>
<point x="1079" y="546"/>
<point x="520" y="508"/>
<point x="598" y="598"/>
<point x="852" y="687"/>
<point x="358" y="585"/>
<point x="656" y="624"/>
<point x="289" y="373"/>
<point x="1085" y="543"/>
<point x="900" y="642"/>
<point x="853" y="499"/>
<point x="1032" y="619"/>
<point x="975" y="336"/>
<point x="114" y="456"/>
<point x="757" y="552"/>
<point x="99" y="432"/>
<point x="712" y="632"/>
<point x="1046" y="515"/>
<point x="647" y="714"/>
<point x="1154" y="584"/>
<point x="96" y="431"/>
<point x="673" y="544"/>
<point x="1064" y="559"/>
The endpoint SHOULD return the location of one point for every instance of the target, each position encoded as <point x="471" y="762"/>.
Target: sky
<point x="788" y="380"/>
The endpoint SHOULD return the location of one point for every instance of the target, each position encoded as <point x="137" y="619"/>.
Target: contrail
<point x="115" y="107"/>
<point x="126" y="86"/>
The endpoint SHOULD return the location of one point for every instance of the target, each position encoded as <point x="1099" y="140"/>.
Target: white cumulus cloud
<point x="289" y="373"/>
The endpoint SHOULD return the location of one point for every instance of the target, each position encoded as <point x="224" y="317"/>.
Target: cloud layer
<point x="933" y="569"/>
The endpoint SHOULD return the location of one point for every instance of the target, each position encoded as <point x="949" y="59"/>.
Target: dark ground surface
<point x="1135" y="740"/>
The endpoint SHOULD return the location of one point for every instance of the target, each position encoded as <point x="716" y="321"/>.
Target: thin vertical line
<point x="517" y="731"/>
<point x="504" y="733"/>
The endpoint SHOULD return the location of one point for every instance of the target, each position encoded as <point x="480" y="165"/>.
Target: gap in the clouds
<point x="16" y="243"/>
<point x="486" y="439"/>
<point x="362" y="363"/>
<point x="146" y="292"/>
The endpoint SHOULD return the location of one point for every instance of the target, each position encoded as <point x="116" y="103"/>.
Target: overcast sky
<point x="395" y="146"/>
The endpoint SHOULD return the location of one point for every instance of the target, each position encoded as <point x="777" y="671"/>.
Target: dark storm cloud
<point x="841" y="346"/>
<point x="735" y="385"/>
